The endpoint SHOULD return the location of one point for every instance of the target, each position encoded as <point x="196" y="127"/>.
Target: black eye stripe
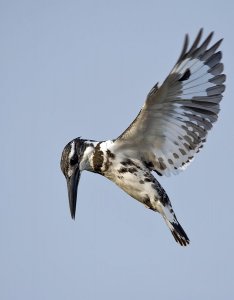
<point x="74" y="159"/>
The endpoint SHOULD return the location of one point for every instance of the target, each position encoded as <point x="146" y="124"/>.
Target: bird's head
<point x="70" y="166"/>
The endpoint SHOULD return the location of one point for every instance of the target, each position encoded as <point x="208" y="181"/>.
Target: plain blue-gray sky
<point x="83" y="68"/>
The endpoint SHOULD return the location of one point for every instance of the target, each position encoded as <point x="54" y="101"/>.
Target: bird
<point x="171" y="127"/>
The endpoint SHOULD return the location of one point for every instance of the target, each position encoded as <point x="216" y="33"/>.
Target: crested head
<point x="70" y="166"/>
<point x="72" y="155"/>
<point x="75" y="159"/>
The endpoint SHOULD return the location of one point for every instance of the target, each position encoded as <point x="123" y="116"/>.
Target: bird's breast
<point x="103" y="159"/>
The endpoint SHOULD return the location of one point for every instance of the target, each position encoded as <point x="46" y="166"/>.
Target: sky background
<point x="84" y="68"/>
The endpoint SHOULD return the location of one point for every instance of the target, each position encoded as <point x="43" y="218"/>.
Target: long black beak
<point x="72" y="185"/>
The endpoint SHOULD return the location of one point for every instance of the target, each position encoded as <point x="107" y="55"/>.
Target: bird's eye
<point x="74" y="160"/>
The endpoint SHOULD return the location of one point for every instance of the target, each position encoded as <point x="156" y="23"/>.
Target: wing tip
<point x="195" y="49"/>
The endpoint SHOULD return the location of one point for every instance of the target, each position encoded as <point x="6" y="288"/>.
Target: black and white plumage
<point x="170" y="128"/>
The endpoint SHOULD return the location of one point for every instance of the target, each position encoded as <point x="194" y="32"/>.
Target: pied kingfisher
<point x="164" y="137"/>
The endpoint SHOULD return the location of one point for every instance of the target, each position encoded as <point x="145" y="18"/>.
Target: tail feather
<point x="178" y="233"/>
<point x="164" y="207"/>
<point x="176" y="229"/>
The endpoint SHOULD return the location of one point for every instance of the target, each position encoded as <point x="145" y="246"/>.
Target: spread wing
<point x="176" y="117"/>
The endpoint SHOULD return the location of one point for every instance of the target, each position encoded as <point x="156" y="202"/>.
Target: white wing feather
<point x="176" y="117"/>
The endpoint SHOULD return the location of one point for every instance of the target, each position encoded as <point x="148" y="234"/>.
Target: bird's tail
<point x="176" y="229"/>
<point x="178" y="233"/>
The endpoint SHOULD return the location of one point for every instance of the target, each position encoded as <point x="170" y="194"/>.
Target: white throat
<point x="85" y="162"/>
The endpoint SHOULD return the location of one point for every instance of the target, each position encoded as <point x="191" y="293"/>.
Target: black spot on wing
<point x="132" y="170"/>
<point x="158" y="173"/>
<point x="150" y="166"/>
<point x="123" y="170"/>
<point x="186" y="75"/>
<point x="129" y="162"/>
<point x="110" y="154"/>
<point x="148" y="180"/>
